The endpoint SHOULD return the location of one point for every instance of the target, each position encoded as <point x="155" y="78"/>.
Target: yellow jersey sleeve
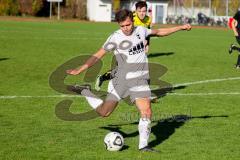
<point x="146" y="22"/>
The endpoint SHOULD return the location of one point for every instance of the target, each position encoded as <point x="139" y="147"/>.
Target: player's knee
<point x="146" y="112"/>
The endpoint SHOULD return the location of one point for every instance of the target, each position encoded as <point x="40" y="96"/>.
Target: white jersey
<point x="130" y="52"/>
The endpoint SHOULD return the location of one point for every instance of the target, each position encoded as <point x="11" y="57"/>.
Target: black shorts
<point x="148" y="40"/>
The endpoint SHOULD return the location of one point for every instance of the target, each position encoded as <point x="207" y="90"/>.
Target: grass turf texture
<point x="31" y="51"/>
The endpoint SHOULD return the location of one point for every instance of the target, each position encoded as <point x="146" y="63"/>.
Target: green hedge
<point x="9" y="7"/>
<point x="69" y="8"/>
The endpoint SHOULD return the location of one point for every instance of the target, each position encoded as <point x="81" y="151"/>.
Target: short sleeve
<point x="147" y="31"/>
<point x="110" y="44"/>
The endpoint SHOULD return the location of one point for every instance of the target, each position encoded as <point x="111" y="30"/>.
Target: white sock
<point x="144" y="132"/>
<point x="92" y="99"/>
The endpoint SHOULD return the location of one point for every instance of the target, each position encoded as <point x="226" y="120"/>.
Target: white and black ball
<point x="113" y="141"/>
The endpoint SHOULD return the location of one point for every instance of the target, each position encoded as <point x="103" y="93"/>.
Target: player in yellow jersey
<point x="140" y="18"/>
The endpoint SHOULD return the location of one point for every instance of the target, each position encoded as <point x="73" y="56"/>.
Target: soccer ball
<point x="114" y="141"/>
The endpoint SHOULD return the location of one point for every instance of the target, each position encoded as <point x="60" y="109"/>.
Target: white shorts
<point x="137" y="88"/>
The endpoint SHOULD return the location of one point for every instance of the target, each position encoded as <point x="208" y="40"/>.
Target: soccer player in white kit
<point x="132" y="74"/>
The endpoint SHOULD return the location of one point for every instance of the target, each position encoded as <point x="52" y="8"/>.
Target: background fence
<point x="201" y="12"/>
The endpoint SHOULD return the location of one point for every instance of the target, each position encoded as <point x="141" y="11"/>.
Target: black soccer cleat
<point x="79" y="88"/>
<point x="237" y="66"/>
<point x="232" y="47"/>
<point x="148" y="149"/>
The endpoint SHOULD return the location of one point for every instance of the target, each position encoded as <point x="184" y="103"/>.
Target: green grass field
<point x="199" y="60"/>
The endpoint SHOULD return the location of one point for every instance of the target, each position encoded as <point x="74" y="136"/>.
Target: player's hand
<point x="73" y="71"/>
<point x="187" y="27"/>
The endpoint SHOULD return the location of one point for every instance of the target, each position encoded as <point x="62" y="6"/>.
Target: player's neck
<point x="130" y="33"/>
<point x="142" y="20"/>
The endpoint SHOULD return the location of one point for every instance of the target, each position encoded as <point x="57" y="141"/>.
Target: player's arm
<point x="90" y="62"/>
<point x="167" y="31"/>
<point x="234" y="24"/>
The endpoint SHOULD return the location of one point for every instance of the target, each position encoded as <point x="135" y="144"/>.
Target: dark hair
<point x="122" y="15"/>
<point x="140" y="4"/>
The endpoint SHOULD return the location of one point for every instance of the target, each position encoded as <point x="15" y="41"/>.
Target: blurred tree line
<point x="40" y="8"/>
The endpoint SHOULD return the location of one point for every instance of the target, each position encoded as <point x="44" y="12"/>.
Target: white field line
<point x="77" y="96"/>
<point x="204" y="94"/>
<point x="207" y="81"/>
<point x="171" y="94"/>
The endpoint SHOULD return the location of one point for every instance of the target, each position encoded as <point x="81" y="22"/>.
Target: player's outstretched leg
<point x="106" y="108"/>
<point x="103" y="108"/>
<point x="85" y="90"/>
